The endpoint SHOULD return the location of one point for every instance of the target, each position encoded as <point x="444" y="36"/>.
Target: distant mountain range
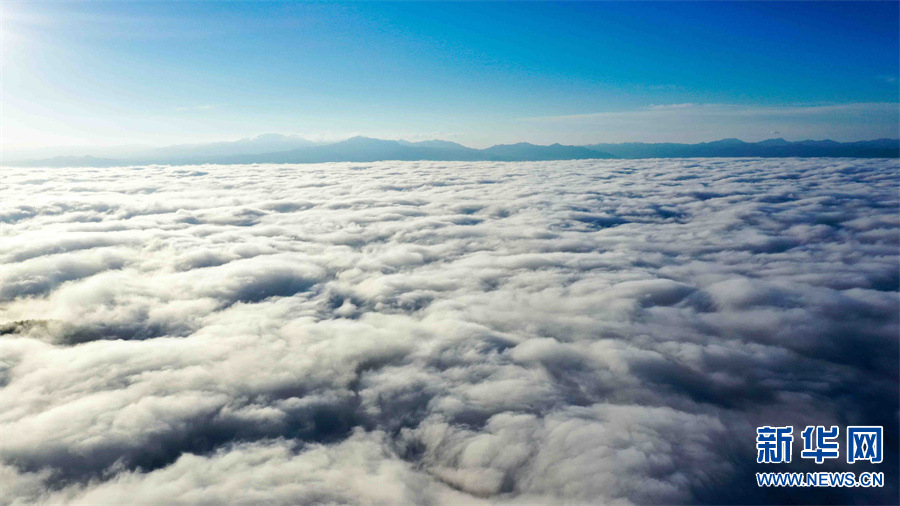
<point x="274" y="148"/>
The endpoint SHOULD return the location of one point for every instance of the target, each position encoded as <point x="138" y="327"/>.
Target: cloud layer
<point x="433" y="332"/>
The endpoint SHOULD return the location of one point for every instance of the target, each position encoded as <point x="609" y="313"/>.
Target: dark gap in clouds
<point x="323" y="423"/>
<point x="466" y="221"/>
<point x="200" y="260"/>
<point x="576" y="381"/>
<point x="885" y="281"/>
<point x="258" y="290"/>
<point x="773" y="245"/>
<point x="597" y="222"/>
<point x="18" y="214"/>
<point x="23" y="326"/>
<point x="697" y="385"/>
<point x="288" y="207"/>
<point x="74" y="334"/>
<point x="31" y="284"/>
<point x="668" y="213"/>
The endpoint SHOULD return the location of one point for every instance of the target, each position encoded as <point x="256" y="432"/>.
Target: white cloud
<point x="432" y="332"/>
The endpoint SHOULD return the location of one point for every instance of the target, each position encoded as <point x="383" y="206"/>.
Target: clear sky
<point x="109" y="73"/>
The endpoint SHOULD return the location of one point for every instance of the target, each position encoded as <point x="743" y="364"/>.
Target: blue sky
<point x="111" y="73"/>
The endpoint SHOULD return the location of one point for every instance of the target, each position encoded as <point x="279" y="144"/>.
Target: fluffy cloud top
<point x="432" y="332"/>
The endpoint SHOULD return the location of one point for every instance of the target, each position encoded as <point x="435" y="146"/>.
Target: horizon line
<point x="337" y="140"/>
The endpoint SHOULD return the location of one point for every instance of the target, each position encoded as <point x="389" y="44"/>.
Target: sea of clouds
<point x="434" y="332"/>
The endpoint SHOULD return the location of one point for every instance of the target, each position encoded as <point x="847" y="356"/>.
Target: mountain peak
<point x="730" y="141"/>
<point x="774" y="142"/>
<point x="362" y="140"/>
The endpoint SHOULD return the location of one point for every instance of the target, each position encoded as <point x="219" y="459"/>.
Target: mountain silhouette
<point x="771" y="148"/>
<point x="266" y="143"/>
<point x="524" y="151"/>
<point x="367" y="149"/>
<point x="270" y="148"/>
